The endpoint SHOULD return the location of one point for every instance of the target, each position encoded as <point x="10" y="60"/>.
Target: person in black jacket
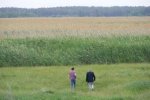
<point x="90" y="78"/>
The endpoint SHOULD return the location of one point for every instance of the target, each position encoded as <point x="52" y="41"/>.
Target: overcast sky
<point x="60" y="3"/>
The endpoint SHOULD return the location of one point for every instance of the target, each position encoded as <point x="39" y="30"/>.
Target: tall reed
<point x="74" y="51"/>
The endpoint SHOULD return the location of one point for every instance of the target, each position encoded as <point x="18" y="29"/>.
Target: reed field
<point x="74" y="51"/>
<point x="82" y="27"/>
<point x="74" y="41"/>
<point x="113" y="82"/>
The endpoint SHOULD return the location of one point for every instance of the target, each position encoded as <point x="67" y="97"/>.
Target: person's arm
<point x="75" y="75"/>
<point x="94" y="76"/>
<point x="86" y="77"/>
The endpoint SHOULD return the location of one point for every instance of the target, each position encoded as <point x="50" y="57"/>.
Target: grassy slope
<point x="113" y="82"/>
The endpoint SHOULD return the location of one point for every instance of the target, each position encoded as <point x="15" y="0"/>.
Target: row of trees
<point x="75" y="12"/>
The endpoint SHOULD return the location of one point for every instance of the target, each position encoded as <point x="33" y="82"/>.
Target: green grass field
<point x="36" y="55"/>
<point x="113" y="82"/>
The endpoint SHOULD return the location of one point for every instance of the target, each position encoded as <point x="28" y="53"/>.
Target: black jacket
<point x="90" y="77"/>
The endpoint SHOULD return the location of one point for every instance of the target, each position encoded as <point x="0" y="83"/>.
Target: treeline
<point x="75" y="12"/>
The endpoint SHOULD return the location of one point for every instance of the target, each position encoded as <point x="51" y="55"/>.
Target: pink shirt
<point x="72" y="75"/>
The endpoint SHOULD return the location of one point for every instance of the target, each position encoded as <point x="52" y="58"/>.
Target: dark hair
<point x="72" y="68"/>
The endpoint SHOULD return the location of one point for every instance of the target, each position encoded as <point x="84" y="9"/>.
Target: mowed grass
<point x="113" y="82"/>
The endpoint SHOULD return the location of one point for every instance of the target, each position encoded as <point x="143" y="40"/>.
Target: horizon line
<point x="72" y="6"/>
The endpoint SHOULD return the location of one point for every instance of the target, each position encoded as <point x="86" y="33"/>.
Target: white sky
<point x="60" y="3"/>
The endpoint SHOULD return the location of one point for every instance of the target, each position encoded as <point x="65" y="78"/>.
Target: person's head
<point x="72" y="68"/>
<point x="89" y="70"/>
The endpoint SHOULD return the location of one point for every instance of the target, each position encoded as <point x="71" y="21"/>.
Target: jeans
<point x="73" y="84"/>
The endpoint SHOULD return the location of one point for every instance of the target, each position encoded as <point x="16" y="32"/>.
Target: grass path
<point x="113" y="82"/>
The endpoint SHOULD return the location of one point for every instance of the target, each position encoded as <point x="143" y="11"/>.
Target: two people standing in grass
<point x="90" y="78"/>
